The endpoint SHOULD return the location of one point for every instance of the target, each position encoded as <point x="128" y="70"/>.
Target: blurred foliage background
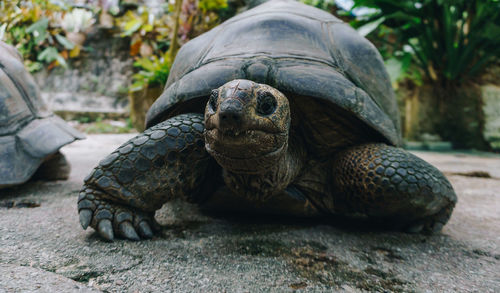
<point x="48" y="33"/>
<point x="442" y="48"/>
<point x="437" y="52"/>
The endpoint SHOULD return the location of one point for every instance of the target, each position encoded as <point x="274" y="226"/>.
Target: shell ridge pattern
<point x="275" y="58"/>
<point x="275" y="12"/>
<point x="13" y="128"/>
<point x="202" y="57"/>
<point x="358" y="91"/>
<point x="19" y="88"/>
<point x="252" y="65"/>
<point x="334" y="53"/>
<point x="342" y="67"/>
<point x="206" y="51"/>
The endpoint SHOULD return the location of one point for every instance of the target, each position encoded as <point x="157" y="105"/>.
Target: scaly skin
<point x="164" y="162"/>
<point x="381" y="181"/>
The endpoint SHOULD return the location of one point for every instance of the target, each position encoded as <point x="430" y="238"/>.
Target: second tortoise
<point x="30" y="134"/>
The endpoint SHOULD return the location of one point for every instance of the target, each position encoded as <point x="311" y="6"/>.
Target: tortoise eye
<point x="266" y="104"/>
<point x="212" y="101"/>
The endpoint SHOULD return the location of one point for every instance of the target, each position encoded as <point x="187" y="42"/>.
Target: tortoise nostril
<point x="230" y="113"/>
<point x="230" y="118"/>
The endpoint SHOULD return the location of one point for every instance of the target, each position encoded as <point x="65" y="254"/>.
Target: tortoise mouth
<point x="243" y="144"/>
<point x="245" y="151"/>
<point x="247" y="165"/>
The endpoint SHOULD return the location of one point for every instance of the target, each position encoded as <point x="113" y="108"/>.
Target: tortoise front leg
<point x="164" y="162"/>
<point x="385" y="182"/>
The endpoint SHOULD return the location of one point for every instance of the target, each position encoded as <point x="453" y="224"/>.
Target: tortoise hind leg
<point x="164" y="162"/>
<point x="385" y="182"/>
<point x="56" y="167"/>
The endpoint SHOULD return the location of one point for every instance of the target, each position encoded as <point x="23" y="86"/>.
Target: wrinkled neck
<point x="262" y="185"/>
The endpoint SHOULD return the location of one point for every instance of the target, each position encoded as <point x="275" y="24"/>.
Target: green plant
<point x="35" y="28"/>
<point x="151" y="36"/>
<point x="148" y="33"/>
<point x="444" y="45"/>
<point x="200" y="16"/>
<point x="153" y="72"/>
<point x="451" y="41"/>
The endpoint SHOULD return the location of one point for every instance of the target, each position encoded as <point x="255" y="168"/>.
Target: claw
<point x="145" y="230"/>
<point x="128" y="231"/>
<point x="106" y="229"/>
<point x="85" y="218"/>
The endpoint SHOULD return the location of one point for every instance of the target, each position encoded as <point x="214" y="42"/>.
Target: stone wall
<point x="96" y="83"/>
<point x="420" y="114"/>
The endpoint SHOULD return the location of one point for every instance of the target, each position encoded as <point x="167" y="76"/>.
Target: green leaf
<point x="138" y="85"/>
<point x="394" y="68"/>
<point x="40" y="36"/>
<point x="491" y="32"/>
<point x="145" y="63"/>
<point x="39" y="30"/>
<point x="449" y="38"/>
<point x="34" y="66"/>
<point x="51" y="54"/>
<point x="61" y="61"/>
<point x="65" y="42"/>
<point x="370" y="27"/>
<point x="132" y="26"/>
<point x="39" y="26"/>
<point x="211" y="5"/>
<point x="48" y="55"/>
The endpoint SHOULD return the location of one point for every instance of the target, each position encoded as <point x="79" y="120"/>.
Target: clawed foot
<point x="110" y="219"/>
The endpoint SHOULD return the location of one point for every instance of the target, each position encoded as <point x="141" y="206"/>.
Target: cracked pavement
<point x="44" y="249"/>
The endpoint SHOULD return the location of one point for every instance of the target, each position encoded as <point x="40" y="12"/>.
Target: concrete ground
<point x="44" y="249"/>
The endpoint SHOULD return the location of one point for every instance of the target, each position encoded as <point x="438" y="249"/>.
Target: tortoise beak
<point x="231" y="115"/>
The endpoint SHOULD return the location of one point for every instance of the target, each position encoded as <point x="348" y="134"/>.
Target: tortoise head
<point x="246" y="126"/>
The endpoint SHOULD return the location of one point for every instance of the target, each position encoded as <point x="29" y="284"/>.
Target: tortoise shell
<point x="339" y="91"/>
<point x="29" y="132"/>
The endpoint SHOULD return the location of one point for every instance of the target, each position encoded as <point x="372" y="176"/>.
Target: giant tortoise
<point x="30" y="135"/>
<point x="282" y="109"/>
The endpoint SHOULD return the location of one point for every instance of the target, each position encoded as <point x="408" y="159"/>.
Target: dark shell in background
<point x="318" y="61"/>
<point x="29" y="132"/>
